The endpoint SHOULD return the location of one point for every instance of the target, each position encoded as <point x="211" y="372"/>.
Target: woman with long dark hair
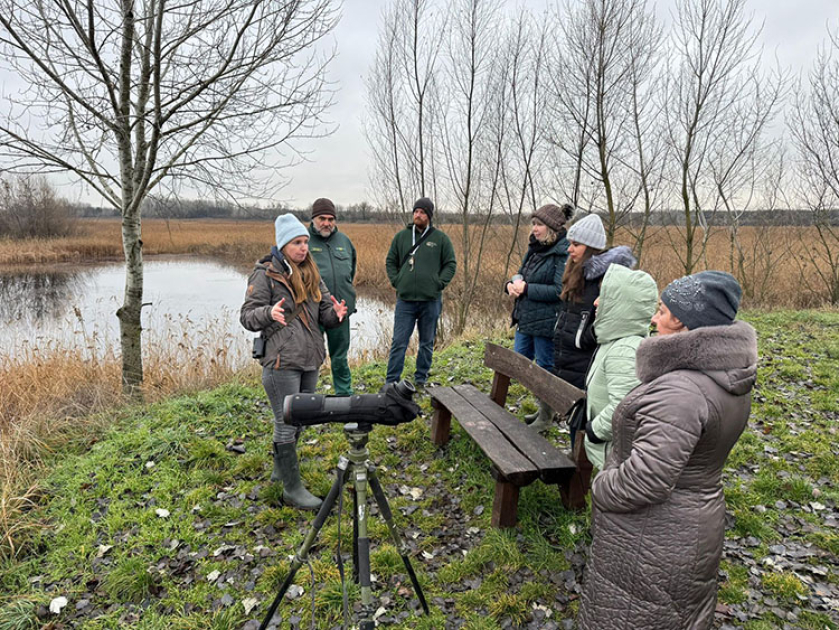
<point x="287" y="302"/>
<point x="588" y="260"/>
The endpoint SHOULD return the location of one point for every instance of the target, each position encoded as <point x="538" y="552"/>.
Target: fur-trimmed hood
<point x="596" y="266"/>
<point x="727" y="354"/>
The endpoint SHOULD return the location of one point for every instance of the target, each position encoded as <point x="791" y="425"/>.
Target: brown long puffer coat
<point x="658" y="506"/>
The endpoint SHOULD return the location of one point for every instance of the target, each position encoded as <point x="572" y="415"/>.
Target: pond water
<point x="60" y="307"/>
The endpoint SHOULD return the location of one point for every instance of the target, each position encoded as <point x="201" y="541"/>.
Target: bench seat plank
<point x="512" y="465"/>
<point x="554" y="465"/>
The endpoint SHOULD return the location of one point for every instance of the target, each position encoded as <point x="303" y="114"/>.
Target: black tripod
<point x="355" y="467"/>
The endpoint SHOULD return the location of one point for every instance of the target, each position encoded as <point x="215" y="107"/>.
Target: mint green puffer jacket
<point x="628" y="300"/>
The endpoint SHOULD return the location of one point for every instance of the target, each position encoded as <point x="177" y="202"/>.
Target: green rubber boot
<point x="287" y="470"/>
<point x="544" y="417"/>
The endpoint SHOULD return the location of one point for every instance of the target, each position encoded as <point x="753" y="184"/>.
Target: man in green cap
<point x="336" y="260"/>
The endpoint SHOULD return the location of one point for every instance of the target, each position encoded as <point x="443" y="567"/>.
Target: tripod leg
<point x="384" y="508"/>
<point x="341" y="476"/>
<point x="365" y="617"/>
<point x="354" y="534"/>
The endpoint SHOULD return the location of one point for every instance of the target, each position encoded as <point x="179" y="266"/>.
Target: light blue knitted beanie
<point x="287" y="228"/>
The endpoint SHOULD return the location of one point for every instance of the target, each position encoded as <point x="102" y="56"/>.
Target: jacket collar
<point x="728" y="354"/>
<point x="313" y="233"/>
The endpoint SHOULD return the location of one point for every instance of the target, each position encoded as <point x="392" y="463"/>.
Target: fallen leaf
<point x="57" y="604"/>
<point x="250" y="603"/>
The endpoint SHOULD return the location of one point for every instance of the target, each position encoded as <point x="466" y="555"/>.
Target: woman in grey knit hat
<point x="657" y="506"/>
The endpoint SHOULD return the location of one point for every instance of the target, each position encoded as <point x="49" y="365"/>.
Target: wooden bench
<point x="519" y="454"/>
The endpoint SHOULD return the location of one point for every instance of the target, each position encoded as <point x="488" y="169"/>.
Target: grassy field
<point x="163" y="517"/>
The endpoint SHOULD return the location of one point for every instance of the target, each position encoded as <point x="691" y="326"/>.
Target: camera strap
<point x="416" y="246"/>
<point x="294" y="314"/>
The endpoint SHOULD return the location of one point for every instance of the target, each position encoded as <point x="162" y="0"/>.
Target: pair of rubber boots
<point x="542" y="419"/>
<point x="287" y="470"/>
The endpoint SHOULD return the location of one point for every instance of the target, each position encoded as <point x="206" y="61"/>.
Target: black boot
<point x="287" y="469"/>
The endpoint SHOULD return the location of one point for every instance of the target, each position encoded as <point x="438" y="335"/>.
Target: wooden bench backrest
<point x="559" y="394"/>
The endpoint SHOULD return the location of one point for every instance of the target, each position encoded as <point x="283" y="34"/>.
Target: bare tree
<point x="716" y="78"/>
<point x="519" y="121"/>
<point x="606" y="56"/>
<point x="401" y="89"/>
<point x="471" y="98"/>
<point x="30" y="208"/>
<point x="129" y="96"/>
<point x="814" y="124"/>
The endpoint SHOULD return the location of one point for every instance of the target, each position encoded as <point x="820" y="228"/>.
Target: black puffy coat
<point x="535" y="311"/>
<point x="574" y="341"/>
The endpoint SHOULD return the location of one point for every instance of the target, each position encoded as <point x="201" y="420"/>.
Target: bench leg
<point x="500" y="386"/>
<point x="441" y="424"/>
<point x="573" y="490"/>
<point x="505" y="506"/>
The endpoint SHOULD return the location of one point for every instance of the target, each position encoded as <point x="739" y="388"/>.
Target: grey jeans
<point x="281" y="383"/>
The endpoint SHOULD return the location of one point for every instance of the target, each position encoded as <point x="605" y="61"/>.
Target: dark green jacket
<point x="535" y="311"/>
<point x="336" y="260"/>
<point x="433" y="269"/>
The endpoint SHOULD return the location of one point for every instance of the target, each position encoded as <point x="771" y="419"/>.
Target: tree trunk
<point x="130" y="328"/>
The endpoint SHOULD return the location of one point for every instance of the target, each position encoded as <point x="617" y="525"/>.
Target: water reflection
<point x="190" y="301"/>
<point x="33" y="296"/>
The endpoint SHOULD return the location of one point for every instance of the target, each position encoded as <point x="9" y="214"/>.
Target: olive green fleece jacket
<point x="433" y="269"/>
<point x="337" y="261"/>
<point x="628" y="300"/>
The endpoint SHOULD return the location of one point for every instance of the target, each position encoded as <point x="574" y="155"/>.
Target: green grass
<point x="105" y="541"/>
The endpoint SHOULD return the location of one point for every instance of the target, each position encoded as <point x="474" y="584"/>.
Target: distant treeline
<point x="366" y="213"/>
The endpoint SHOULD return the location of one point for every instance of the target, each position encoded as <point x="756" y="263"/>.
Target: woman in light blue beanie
<point x="287" y="303"/>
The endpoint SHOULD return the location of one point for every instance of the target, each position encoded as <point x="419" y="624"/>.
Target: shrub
<point x="30" y="208"/>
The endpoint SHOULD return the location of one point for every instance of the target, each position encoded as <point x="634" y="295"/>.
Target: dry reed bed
<point x="771" y="278"/>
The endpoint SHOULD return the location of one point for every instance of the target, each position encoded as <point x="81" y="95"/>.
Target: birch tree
<point x="132" y="96"/>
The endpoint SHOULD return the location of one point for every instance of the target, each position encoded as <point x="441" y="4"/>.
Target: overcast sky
<point x="337" y="166"/>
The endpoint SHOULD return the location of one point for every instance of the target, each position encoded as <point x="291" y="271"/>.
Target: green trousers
<point x="338" y="342"/>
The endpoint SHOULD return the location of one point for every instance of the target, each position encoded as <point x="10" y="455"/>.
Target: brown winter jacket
<point x="658" y="506"/>
<point x="299" y="345"/>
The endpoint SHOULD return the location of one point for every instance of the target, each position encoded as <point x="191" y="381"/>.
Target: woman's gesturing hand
<point x="277" y="313"/>
<point x="340" y="308"/>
